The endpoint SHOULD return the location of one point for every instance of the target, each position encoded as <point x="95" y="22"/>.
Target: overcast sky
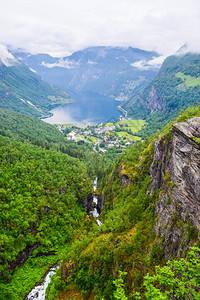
<point x="60" y="27"/>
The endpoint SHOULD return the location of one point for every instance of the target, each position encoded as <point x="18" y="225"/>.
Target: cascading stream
<point x="38" y="292"/>
<point x="95" y="213"/>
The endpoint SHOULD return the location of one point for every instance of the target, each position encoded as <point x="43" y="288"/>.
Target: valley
<point x="138" y="174"/>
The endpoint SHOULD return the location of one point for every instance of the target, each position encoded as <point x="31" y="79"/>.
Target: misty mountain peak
<point x="6" y="58"/>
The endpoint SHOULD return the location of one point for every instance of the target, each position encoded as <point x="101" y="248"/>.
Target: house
<point x="72" y="136"/>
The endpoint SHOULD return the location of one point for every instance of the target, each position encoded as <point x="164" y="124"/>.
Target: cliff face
<point x="176" y="167"/>
<point x="153" y="100"/>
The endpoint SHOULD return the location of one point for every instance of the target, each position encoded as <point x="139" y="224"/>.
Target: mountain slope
<point x="151" y="214"/>
<point x="176" y="87"/>
<point x="28" y="128"/>
<point x="109" y="71"/>
<point x="42" y="193"/>
<point x="24" y="91"/>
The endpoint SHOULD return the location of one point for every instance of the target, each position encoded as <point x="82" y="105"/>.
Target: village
<point x="105" y="136"/>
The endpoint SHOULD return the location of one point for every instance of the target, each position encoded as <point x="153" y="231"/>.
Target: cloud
<point x="63" y="63"/>
<point x="154" y="63"/>
<point x="61" y="27"/>
<point x="90" y="62"/>
<point x="6" y="57"/>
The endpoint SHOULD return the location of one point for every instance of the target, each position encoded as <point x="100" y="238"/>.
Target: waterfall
<point x="38" y="292"/>
<point x="95" y="213"/>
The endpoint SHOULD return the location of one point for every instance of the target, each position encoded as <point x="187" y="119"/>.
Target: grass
<point x="88" y="138"/>
<point x="136" y="138"/>
<point x="108" y="124"/>
<point x="188" y="80"/>
<point x="134" y="125"/>
<point x="92" y="139"/>
<point x="128" y="136"/>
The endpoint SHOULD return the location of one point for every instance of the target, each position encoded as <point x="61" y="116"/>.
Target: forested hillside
<point x="176" y="87"/>
<point x="42" y="195"/>
<point x="29" y="129"/>
<point x="24" y="91"/>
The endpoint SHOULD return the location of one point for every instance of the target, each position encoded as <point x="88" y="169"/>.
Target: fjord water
<point x="87" y="108"/>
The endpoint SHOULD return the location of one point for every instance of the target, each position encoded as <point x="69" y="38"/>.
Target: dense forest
<point x="42" y="193"/>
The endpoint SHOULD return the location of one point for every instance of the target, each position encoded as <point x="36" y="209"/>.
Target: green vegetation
<point x="128" y="136"/>
<point x="179" y="279"/>
<point x="134" y="125"/>
<point x="42" y="194"/>
<point x="30" y="129"/>
<point x="23" y="91"/>
<point x="42" y="191"/>
<point x="188" y="81"/>
<point x="91" y="139"/>
<point x="119" y="283"/>
<point x="92" y="264"/>
<point x="176" y="87"/>
<point x="25" y="277"/>
<point x="127" y="224"/>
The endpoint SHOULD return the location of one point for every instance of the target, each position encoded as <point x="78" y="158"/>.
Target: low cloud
<point x="154" y="63"/>
<point x="90" y="62"/>
<point x="63" y="27"/>
<point x="63" y="63"/>
<point x="6" y="58"/>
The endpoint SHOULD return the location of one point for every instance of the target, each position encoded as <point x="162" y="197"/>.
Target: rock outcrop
<point x="100" y="203"/>
<point x="88" y="203"/>
<point x="176" y="168"/>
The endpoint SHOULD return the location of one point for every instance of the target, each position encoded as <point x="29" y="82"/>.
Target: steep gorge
<point x="148" y="218"/>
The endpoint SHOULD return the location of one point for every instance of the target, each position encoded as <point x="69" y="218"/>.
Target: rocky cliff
<point x="176" y="168"/>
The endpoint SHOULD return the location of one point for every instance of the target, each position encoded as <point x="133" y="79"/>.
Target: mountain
<point x="150" y="216"/>
<point x="111" y="71"/>
<point x="176" y="86"/>
<point x="24" y="91"/>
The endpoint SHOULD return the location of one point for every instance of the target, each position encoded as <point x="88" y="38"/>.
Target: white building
<point x="72" y="136"/>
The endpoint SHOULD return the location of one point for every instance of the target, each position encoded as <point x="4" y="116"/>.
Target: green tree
<point x="119" y="283"/>
<point x="179" y="279"/>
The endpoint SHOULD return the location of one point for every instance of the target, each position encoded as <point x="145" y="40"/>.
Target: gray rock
<point x="176" y="168"/>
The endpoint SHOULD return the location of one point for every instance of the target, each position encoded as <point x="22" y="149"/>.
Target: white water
<point x="38" y="292"/>
<point x="95" y="213"/>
